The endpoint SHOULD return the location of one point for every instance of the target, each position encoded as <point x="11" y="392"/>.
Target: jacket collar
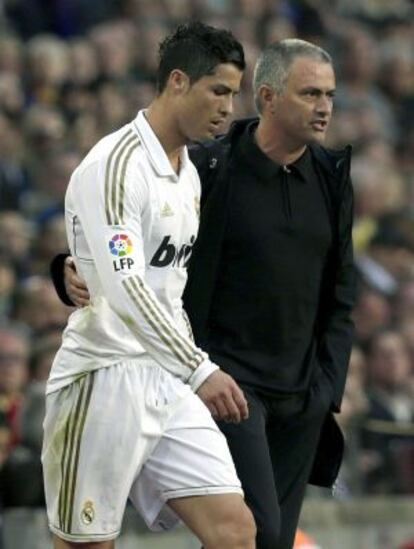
<point x="330" y="159"/>
<point x="264" y="167"/>
<point x="335" y="163"/>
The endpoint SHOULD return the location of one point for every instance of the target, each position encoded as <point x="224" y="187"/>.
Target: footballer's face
<point x="206" y="104"/>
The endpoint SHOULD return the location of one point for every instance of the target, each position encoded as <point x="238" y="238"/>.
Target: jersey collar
<point x="155" y="150"/>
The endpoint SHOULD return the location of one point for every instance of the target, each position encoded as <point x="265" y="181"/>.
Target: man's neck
<point x="276" y="146"/>
<point x="164" y="127"/>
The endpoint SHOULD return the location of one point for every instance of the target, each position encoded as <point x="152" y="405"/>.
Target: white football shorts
<point x="128" y="430"/>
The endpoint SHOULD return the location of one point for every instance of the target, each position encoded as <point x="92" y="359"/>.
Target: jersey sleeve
<point x="108" y="203"/>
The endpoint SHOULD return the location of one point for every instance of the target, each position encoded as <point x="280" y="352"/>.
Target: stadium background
<point x="73" y="70"/>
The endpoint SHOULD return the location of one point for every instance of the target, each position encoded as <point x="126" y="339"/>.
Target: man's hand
<point x="219" y="392"/>
<point x="75" y="287"/>
<point x="223" y="397"/>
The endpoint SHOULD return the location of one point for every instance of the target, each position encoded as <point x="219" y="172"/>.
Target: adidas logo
<point x="166" y="211"/>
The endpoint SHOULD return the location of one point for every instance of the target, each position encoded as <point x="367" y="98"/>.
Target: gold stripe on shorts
<point x="71" y="449"/>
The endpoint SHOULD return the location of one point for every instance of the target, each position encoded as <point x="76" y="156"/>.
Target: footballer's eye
<point x="222" y="90"/>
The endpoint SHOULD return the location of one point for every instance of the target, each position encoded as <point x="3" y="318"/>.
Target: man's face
<point x="303" y="110"/>
<point x="13" y="363"/>
<point x="390" y="361"/>
<point x="208" y="102"/>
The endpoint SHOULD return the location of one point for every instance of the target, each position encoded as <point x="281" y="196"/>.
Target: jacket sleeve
<point x="104" y="221"/>
<point x="336" y="330"/>
<point x="57" y="266"/>
<point x="209" y="157"/>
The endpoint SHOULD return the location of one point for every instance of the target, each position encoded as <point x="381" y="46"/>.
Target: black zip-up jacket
<point x="218" y="174"/>
<point x="334" y="331"/>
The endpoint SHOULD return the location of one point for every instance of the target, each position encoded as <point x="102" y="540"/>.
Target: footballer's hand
<point x="75" y="287"/>
<point x="223" y="397"/>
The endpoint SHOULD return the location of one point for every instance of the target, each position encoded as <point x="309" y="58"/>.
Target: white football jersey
<point x="131" y="222"/>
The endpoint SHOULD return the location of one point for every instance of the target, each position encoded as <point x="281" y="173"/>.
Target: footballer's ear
<point x="178" y="81"/>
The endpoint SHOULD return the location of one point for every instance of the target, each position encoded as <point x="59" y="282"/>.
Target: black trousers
<point x="273" y="451"/>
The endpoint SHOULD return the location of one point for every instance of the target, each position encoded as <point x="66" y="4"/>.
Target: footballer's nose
<point x="227" y="106"/>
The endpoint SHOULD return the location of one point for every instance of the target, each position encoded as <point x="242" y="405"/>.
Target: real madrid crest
<point x="88" y="512"/>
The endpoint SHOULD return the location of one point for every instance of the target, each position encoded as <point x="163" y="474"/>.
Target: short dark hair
<point x="196" y="49"/>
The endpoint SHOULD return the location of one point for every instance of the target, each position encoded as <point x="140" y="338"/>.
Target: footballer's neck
<point x="165" y="128"/>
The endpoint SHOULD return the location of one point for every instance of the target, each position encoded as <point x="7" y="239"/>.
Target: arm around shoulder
<point x="57" y="266"/>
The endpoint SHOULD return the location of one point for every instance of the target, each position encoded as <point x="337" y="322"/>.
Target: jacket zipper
<point x="287" y="204"/>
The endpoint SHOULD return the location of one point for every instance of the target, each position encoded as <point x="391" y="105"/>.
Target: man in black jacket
<point x="271" y="283"/>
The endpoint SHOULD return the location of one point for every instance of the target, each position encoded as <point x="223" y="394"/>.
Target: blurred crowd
<point x="72" y="71"/>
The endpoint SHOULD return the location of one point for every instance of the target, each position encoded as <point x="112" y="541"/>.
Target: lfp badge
<point x="120" y="246"/>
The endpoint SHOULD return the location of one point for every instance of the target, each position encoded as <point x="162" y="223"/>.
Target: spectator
<point x="389" y="258"/>
<point x="84" y="68"/>
<point x="13" y="177"/>
<point x="360" y="64"/>
<point x="14" y="373"/>
<point x="4" y="441"/>
<point x="49" y="240"/>
<point x="43" y="352"/>
<point x="114" y="47"/>
<point x="389" y="421"/>
<point x="11" y="54"/>
<point x="7" y="288"/>
<point x="372" y="312"/>
<point x="15" y="241"/>
<point x="354" y="407"/>
<point x="37" y="306"/>
<point x="21" y="483"/>
<point x="48" y="67"/>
